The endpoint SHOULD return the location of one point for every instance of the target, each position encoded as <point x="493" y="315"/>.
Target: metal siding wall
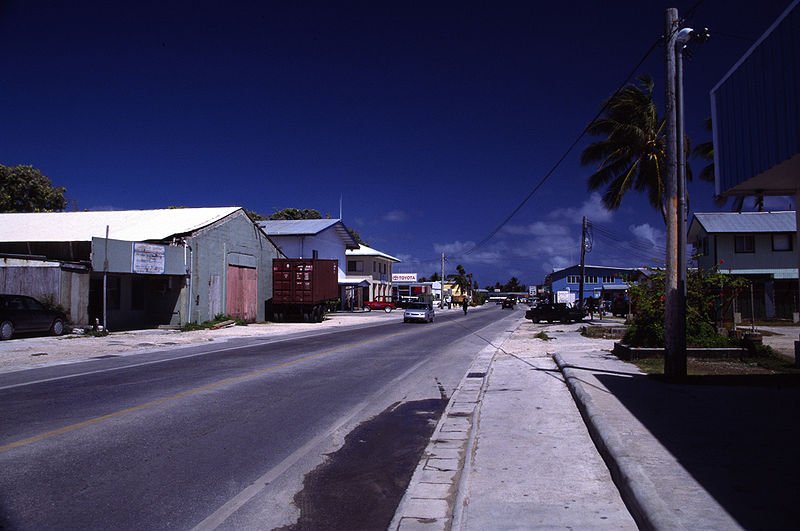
<point x="757" y="108"/>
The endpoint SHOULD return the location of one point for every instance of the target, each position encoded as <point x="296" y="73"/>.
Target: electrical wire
<point x="544" y="179"/>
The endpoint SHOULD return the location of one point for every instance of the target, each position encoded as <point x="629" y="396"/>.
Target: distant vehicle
<point x="558" y="312"/>
<point x="619" y="307"/>
<point x="381" y="303"/>
<point x="22" y="314"/>
<point x="509" y="303"/>
<point x="419" y="311"/>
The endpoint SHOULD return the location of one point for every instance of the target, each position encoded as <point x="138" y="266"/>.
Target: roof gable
<point x="365" y="250"/>
<point x="307" y="227"/>
<point x="744" y="222"/>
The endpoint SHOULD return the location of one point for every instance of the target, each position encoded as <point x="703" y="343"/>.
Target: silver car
<point x="419" y="311"/>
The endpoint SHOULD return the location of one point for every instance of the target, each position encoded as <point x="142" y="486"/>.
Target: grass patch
<point x="189" y="327"/>
<point x="766" y="361"/>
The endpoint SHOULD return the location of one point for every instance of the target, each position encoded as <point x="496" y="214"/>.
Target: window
<point x="374" y="267"/>
<point x="782" y="242"/>
<point x="573" y="279"/>
<point x="744" y="243"/>
<point x="608" y="280"/>
<point x="590" y="279"/>
<point x="355" y="266"/>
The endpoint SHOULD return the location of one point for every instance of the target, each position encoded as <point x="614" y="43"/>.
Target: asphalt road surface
<point x="211" y="437"/>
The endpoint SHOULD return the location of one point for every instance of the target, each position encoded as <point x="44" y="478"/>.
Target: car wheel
<point x="405" y="320"/>
<point x="536" y="320"/>
<point x="388" y="309"/>
<point x="367" y="309"/>
<point x="6" y="330"/>
<point x="57" y="328"/>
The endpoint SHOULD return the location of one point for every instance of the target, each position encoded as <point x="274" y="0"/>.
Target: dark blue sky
<point x="431" y="120"/>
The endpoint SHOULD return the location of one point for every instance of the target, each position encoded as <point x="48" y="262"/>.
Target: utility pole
<point x="441" y="284"/>
<point x="583" y="262"/>
<point x="674" y="301"/>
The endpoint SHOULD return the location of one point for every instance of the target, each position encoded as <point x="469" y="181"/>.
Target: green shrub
<point x="704" y="298"/>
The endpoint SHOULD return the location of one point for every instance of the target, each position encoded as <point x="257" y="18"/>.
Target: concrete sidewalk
<point x="512" y="452"/>
<point x="536" y="442"/>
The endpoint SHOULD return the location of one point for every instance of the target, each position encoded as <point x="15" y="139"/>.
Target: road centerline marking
<point x="177" y="396"/>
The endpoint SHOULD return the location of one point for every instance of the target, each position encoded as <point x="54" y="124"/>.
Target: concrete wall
<point x="721" y="247"/>
<point x="380" y="283"/>
<point x="234" y="240"/>
<point x="327" y="243"/>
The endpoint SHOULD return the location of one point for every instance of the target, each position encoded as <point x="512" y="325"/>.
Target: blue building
<point x="600" y="282"/>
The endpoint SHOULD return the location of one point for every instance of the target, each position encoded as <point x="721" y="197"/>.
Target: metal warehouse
<point x="140" y="268"/>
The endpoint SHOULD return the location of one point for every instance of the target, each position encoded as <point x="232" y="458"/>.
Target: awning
<point x="615" y="287"/>
<point x="356" y="283"/>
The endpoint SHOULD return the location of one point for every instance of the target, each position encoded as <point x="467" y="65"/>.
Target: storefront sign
<point x="148" y="259"/>
<point x="404" y="277"/>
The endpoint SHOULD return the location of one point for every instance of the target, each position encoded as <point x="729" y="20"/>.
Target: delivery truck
<point x="302" y="288"/>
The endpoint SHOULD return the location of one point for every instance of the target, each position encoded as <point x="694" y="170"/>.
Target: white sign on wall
<point x="404" y="277"/>
<point x="148" y="259"/>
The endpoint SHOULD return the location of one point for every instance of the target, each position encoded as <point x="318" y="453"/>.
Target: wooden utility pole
<point x="441" y="283"/>
<point x="674" y="318"/>
<point x="583" y="262"/>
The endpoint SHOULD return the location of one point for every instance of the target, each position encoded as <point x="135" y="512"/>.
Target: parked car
<point x="419" y="311"/>
<point x="558" y="312"/>
<point x="509" y="303"/>
<point x="21" y="314"/>
<point x="380" y="304"/>
<point x="619" y="307"/>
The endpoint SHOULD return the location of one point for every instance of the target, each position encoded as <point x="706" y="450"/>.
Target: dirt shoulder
<point x="34" y="352"/>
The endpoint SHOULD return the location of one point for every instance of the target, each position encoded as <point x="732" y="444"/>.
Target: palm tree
<point x="632" y="155"/>
<point x="705" y="151"/>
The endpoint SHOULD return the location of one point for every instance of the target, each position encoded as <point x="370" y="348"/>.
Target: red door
<point x="242" y="292"/>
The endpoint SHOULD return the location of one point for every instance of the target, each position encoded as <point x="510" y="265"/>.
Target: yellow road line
<point x="177" y="396"/>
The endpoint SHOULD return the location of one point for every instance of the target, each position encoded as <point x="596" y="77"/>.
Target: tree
<point x="357" y="237"/>
<point x="461" y="279"/>
<point x="513" y="285"/>
<point x="25" y="189"/>
<point x="296" y="213"/>
<point x="633" y="153"/>
<point x="705" y="151"/>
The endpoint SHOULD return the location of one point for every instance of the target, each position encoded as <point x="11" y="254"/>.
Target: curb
<point x="433" y="497"/>
<point x="637" y="490"/>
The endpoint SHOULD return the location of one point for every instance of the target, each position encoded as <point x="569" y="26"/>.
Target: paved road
<point x="218" y="436"/>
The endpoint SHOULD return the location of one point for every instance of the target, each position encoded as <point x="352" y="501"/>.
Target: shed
<point x="151" y="267"/>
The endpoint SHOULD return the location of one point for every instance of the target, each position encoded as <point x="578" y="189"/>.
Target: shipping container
<point x="302" y="287"/>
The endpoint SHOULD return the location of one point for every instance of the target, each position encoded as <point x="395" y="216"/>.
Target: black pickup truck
<point x="558" y="312"/>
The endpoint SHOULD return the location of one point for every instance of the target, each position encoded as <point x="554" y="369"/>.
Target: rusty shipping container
<point x="302" y="286"/>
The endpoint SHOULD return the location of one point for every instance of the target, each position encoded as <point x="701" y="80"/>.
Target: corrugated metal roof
<point x="131" y="225"/>
<point x="716" y="222"/>
<point x="365" y="250"/>
<point x="295" y="227"/>
<point x="307" y="227"/>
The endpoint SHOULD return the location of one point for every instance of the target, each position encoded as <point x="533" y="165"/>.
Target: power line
<point x="484" y="241"/>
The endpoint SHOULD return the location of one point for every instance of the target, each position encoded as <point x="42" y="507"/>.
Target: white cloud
<point x="592" y="208"/>
<point x="395" y="216"/>
<point x="538" y="228"/>
<point x="648" y="233"/>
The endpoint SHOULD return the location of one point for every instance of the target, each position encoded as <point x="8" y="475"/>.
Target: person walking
<point x="464" y="305"/>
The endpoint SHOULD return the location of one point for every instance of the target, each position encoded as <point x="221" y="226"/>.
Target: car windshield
<point x="418" y="306"/>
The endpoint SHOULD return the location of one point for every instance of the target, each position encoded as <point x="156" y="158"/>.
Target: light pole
<point x="675" y="282"/>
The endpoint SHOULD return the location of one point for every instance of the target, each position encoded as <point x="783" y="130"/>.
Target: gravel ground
<point x="33" y="352"/>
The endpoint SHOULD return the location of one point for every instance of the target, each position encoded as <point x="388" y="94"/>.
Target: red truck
<point x="302" y="287"/>
<point x="380" y="303"/>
